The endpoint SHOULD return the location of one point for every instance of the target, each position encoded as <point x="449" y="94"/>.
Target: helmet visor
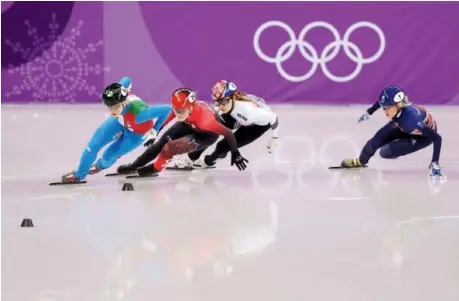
<point x="222" y="101"/>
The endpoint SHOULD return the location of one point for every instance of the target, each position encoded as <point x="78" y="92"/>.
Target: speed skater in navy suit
<point x="410" y="129"/>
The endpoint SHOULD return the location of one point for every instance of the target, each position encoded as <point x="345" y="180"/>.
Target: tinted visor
<point x="222" y="101"/>
<point x="181" y="111"/>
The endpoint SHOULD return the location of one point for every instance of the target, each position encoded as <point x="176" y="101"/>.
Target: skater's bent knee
<point x="386" y="153"/>
<point x="179" y="146"/>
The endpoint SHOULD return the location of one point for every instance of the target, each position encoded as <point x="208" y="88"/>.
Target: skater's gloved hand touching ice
<point x="275" y="136"/>
<point x="272" y="144"/>
<point x="435" y="172"/>
<point x="240" y="161"/>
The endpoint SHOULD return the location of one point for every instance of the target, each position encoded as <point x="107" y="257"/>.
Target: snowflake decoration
<point x="60" y="71"/>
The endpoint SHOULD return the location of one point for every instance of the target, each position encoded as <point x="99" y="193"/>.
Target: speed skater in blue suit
<point x="410" y="129"/>
<point x="130" y="124"/>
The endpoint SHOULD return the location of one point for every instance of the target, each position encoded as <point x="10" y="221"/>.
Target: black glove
<point x="125" y="169"/>
<point x="240" y="161"/>
<point x="149" y="142"/>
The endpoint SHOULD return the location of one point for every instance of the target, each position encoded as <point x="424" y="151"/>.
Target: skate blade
<point x="142" y="177"/>
<point x="64" y="183"/>
<point x="201" y="168"/>
<point x="341" y="167"/>
<point x="186" y="168"/>
<point x="117" y="174"/>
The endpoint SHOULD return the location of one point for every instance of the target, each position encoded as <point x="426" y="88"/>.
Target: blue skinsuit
<point x="123" y="139"/>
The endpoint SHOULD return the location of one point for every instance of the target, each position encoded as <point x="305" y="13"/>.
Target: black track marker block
<point x="128" y="187"/>
<point x="27" y="223"/>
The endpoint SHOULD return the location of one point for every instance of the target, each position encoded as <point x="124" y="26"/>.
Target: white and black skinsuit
<point x="251" y="119"/>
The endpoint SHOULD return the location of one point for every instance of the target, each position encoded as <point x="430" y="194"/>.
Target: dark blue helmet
<point x="390" y="96"/>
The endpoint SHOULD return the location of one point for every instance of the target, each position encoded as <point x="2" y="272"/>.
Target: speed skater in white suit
<point x="248" y="114"/>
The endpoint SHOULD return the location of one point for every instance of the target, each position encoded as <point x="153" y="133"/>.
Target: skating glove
<point x="150" y="137"/>
<point x="240" y="161"/>
<point x="272" y="144"/>
<point x="364" y="117"/>
<point x="435" y="172"/>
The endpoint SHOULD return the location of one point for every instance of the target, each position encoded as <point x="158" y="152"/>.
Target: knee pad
<point x="386" y="153"/>
<point x="177" y="147"/>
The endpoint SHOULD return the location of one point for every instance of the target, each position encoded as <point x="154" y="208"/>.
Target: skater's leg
<point x="243" y="135"/>
<point x="385" y="135"/>
<point x="127" y="143"/>
<point x="178" y="130"/>
<point x="109" y="130"/>
<point x="404" y="146"/>
<point x="193" y="156"/>
<point x="188" y="144"/>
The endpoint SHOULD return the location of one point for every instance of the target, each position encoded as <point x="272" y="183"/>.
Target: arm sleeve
<point x="167" y="121"/>
<point x="373" y="108"/>
<point x="212" y="125"/>
<point x="264" y="117"/>
<point x="160" y="112"/>
<point x="435" y="137"/>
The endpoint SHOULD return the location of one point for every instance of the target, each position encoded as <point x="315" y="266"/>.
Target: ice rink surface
<point x="285" y="229"/>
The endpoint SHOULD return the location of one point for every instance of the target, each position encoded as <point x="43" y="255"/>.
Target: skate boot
<point x="94" y="170"/>
<point x="183" y="162"/>
<point x="125" y="169"/>
<point x="202" y="164"/>
<point x="147" y="171"/>
<point x="70" y="178"/>
<point x="352" y="163"/>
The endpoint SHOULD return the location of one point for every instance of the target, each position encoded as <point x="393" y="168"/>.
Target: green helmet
<point x="114" y="94"/>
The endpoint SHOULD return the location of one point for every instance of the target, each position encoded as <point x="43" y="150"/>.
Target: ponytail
<point x="241" y="96"/>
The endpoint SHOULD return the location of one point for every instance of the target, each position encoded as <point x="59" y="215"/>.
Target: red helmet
<point x="183" y="98"/>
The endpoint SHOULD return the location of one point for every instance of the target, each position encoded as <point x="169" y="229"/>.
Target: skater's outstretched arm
<point x="212" y="125"/>
<point x="373" y="108"/>
<point x="264" y="117"/>
<point x="158" y="111"/>
<point x="369" y="112"/>
<point x="436" y="139"/>
<point x="167" y="121"/>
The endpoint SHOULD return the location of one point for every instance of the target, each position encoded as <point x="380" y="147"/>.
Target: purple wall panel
<point x="319" y="52"/>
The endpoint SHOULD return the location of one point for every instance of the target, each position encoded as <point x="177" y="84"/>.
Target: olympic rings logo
<point x="314" y="165"/>
<point x="329" y="52"/>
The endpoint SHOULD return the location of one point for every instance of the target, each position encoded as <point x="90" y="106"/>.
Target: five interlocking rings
<point x="329" y="52"/>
